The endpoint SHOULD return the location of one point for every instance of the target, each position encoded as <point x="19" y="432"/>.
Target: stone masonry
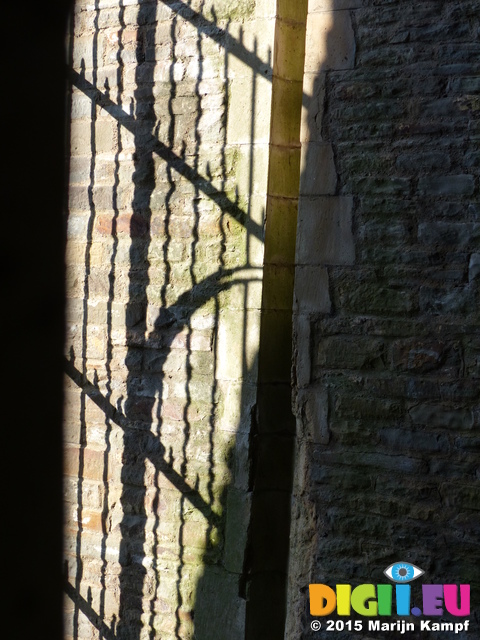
<point x="273" y="344"/>
<point x="168" y="181"/>
<point x="386" y="299"/>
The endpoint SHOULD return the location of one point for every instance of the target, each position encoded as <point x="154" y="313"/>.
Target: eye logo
<point x="403" y="572"/>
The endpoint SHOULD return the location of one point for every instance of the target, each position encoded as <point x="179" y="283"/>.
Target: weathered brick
<point x="418" y="355"/>
<point x="438" y="415"/>
<point x="86" y="463"/>
<point x="345" y="352"/>
<point x="423" y="161"/>
<point x="460" y="185"/>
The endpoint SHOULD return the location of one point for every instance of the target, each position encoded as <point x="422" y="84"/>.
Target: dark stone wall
<point x="388" y="342"/>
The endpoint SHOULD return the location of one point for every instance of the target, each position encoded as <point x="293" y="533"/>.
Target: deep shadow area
<point x="389" y="389"/>
<point x="32" y="322"/>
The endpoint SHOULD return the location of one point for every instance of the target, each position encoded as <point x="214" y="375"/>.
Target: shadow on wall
<point x="166" y="286"/>
<point x="386" y="303"/>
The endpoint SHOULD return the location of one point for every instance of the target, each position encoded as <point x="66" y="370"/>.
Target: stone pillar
<point x="273" y="435"/>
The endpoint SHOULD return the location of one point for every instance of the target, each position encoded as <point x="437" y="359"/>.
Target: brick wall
<point x="168" y="181"/>
<point x="386" y="295"/>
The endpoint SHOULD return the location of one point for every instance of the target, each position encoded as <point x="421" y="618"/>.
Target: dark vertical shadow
<point x="164" y="321"/>
<point x="272" y="436"/>
<point x="179" y="613"/>
<point x="85" y="317"/>
<point x="32" y="319"/>
<point x="319" y="183"/>
<point x="138" y="415"/>
<point x="109" y="319"/>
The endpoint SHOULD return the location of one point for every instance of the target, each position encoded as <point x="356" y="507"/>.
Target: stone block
<point x="312" y="107"/>
<point x="372" y="298"/>
<point x="265" y="9"/>
<point x="251" y="40"/>
<point x="441" y="416"/>
<point x="284" y="171"/>
<point x="423" y="161"/>
<point x="278" y="287"/>
<point x="465" y="85"/>
<point x="405" y="440"/>
<point x="474" y="267"/>
<point x="280" y="231"/>
<point x="472" y="160"/>
<point x="316" y="415"/>
<point x="219" y="610"/>
<point x="247" y="294"/>
<point x="249" y="171"/>
<point x="461" y="496"/>
<point x="301" y="352"/>
<point x="348" y="352"/>
<point x="235" y="406"/>
<point x="417" y="356"/>
<point x="367" y="408"/>
<point x="318" y="171"/>
<point x="288" y="55"/>
<point x="311" y="293"/>
<point x="377" y="461"/>
<point x="330" y="41"/>
<point x="449" y="234"/>
<point x="460" y="185"/>
<point x="378" y="186"/>
<point x="237" y="347"/>
<point x="324" y="233"/>
<point x="249" y="46"/>
<point x="236" y="529"/>
<point x="286" y="108"/>
<point x="450" y="300"/>
<point x="249" y="108"/>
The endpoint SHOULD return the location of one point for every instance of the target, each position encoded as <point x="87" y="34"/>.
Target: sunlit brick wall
<point x="170" y="122"/>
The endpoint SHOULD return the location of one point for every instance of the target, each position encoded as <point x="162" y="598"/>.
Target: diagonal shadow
<point x="89" y="612"/>
<point x="154" y="145"/>
<point x="223" y="38"/>
<point x="117" y="416"/>
<point x="141" y="443"/>
<point x="226" y="40"/>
